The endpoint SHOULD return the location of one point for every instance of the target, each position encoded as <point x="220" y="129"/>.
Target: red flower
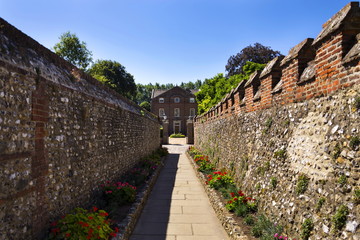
<point x="235" y="199"/>
<point x="116" y="229"/>
<point x="98" y="227"/>
<point x="104" y="214"/>
<point x="55" y="230"/>
<point x="53" y="224"/>
<point x="90" y="217"/>
<point x="67" y="234"/>
<point x="113" y="234"/>
<point x="95" y="209"/>
<point x="232" y="194"/>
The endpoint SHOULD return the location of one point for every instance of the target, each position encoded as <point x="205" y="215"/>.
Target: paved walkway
<point x="178" y="207"/>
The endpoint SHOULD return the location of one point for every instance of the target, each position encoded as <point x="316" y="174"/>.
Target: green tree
<point x="145" y="105"/>
<point x="213" y="90"/>
<point x="256" y="53"/>
<point x="73" y="50"/>
<point x="114" y="75"/>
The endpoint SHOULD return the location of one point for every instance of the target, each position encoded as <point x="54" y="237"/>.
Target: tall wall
<point x="61" y="135"/>
<point x="296" y="117"/>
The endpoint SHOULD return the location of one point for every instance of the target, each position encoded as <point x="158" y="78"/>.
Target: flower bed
<point x="123" y="202"/>
<point x="236" y="211"/>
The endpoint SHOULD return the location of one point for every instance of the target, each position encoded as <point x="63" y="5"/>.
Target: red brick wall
<point x="331" y="71"/>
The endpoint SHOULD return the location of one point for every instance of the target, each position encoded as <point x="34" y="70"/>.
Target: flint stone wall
<point x="299" y="116"/>
<point x="61" y="134"/>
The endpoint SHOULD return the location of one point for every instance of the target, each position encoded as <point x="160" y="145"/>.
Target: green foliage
<point x="302" y="184"/>
<point x="268" y="124"/>
<point x="193" y="151"/>
<point x="145" y="105"/>
<point x="280" y="154"/>
<point x="273" y="182"/>
<point x="72" y="50"/>
<point x="339" y="219"/>
<point x="114" y="75"/>
<point x="228" y="191"/>
<point x="249" y="220"/>
<point x="241" y="204"/>
<point x="306" y="227"/>
<point x="215" y="89"/>
<point x="177" y="135"/>
<point x="336" y="152"/>
<point x="354" y="142"/>
<point x="219" y="179"/>
<point x="117" y="194"/>
<point x="356" y="196"/>
<point x="83" y="224"/>
<point x="319" y="204"/>
<point x="265" y="229"/>
<point x="357" y="102"/>
<point x="342" y="180"/>
<point x="256" y="53"/>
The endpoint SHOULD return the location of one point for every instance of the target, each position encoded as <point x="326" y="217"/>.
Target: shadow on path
<point x="154" y="219"/>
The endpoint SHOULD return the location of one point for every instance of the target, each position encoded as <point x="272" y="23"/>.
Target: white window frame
<point x="176" y="112"/>
<point x="161" y="100"/>
<point x="161" y="112"/>
<point x="176" y="100"/>
<point x="192" y="100"/>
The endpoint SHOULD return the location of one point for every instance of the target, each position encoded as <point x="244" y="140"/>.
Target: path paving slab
<point x="178" y="207"/>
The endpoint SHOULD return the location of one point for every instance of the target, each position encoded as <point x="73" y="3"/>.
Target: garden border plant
<point x="220" y="187"/>
<point x="80" y="222"/>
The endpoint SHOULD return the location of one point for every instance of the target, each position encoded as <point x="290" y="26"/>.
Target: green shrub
<point x="117" y="194"/>
<point x="356" y="196"/>
<point x="265" y="229"/>
<point x="306" y="228"/>
<point x="320" y="203"/>
<point x="219" y="179"/>
<point x="273" y="182"/>
<point x="354" y="142"/>
<point x="342" y="180"/>
<point x="177" y="135"/>
<point x="249" y="220"/>
<point x="83" y="224"/>
<point x="302" y="184"/>
<point x="280" y="154"/>
<point x="339" y="219"/>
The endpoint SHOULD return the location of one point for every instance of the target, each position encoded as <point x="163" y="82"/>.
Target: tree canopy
<point x="73" y="50"/>
<point x="256" y="53"/>
<point x="215" y="89"/>
<point x="114" y="75"/>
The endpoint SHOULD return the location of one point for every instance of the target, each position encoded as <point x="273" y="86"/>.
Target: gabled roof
<point x="157" y="92"/>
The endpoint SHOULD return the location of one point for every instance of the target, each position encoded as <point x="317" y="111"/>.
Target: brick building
<point x="176" y="105"/>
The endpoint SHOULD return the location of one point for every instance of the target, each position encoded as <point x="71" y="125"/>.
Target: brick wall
<point x="309" y="113"/>
<point x="315" y="67"/>
<point x="61" y="134"/>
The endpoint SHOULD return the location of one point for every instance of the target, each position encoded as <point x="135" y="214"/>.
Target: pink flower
<point x="276" y="235"/>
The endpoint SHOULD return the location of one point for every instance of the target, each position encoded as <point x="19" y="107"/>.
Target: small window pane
<point x="177" y="99"/>
<point x="161" y="100"/>
<point x="192" y="100"/>
<point x="177" y="112"/>
<point x="161" y="112"/>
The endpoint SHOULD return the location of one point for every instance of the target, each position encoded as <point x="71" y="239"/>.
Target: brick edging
<point x="226" y="218"/>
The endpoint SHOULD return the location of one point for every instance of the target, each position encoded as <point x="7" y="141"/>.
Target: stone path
<point x="178" y="207"/>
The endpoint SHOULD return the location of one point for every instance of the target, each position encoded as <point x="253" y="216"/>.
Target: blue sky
<point x="171" y="41"/>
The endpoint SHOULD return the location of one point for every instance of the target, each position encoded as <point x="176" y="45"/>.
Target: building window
<point x="192" y="100"/>
<point x="161" y="112"/>
<point x="177" y="112"/>
<point x="161" y="100"/>
<point x="177" y="100"/>
<point x="177" y="126"/>
<point x="192" y="112"/>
